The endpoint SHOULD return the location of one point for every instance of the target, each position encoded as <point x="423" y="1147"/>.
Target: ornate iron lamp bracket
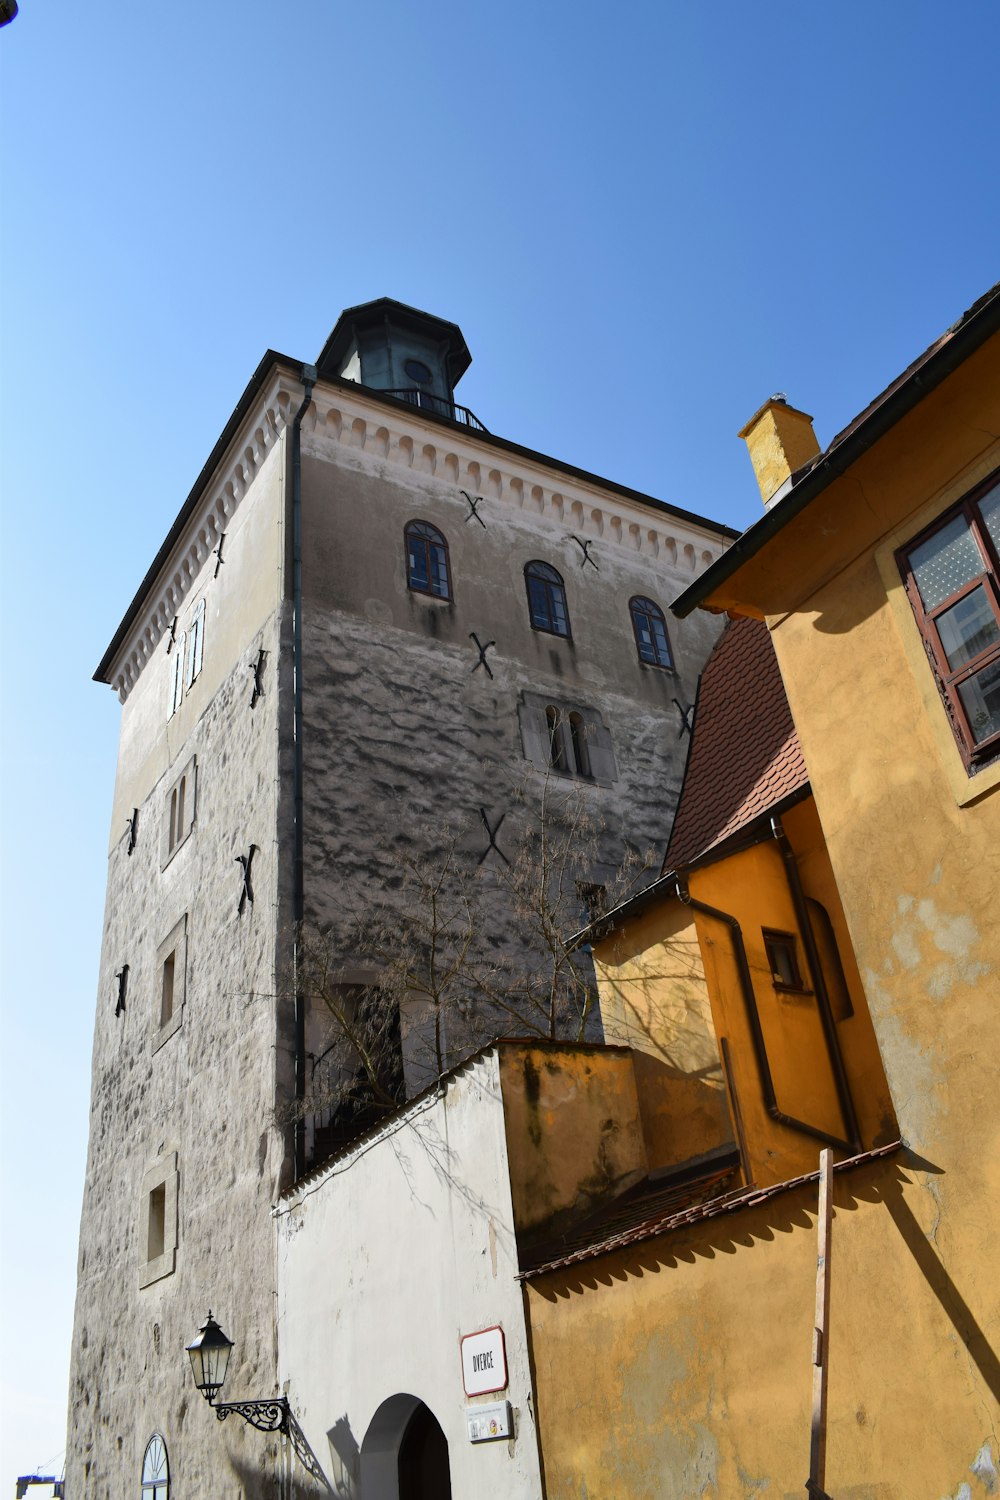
<point x="266" y="1416"/>
<point x="276" y="1416"/>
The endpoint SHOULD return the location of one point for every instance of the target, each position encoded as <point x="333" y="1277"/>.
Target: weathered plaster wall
<point x="203" y="1089"/>
<point x="385" y="1260"/>
<point x="654" y="999"/>
<point x="574" y="1130"/>
<point x="406" y="736"/>
<point x="703" y="1384"/>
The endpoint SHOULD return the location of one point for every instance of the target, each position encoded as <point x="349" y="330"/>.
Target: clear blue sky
<point x="645" y="219"/>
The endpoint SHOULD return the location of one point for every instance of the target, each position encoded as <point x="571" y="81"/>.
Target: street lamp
<point x="209" y="1354"/>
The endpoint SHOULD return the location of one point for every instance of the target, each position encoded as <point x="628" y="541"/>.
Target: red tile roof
<point x="744" y="756"/>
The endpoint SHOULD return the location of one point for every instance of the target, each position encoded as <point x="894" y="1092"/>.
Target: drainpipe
<point x="753" y="1019"/>
<point x="819" y="983"/>
<point x="298" y="862"/>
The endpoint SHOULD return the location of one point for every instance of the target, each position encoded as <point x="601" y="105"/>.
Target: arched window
<point x="155" y="1470"/>
<point x="578" y="741"/>
<point x="546" y="599"/>
<point x="557" y="746"/>
<point x="650" y="626"/>
<point x="427" y="570"/>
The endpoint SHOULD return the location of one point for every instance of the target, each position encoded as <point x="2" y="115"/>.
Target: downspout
<point x="819" y="982"/>
<point x="753" y="1019"/>
<point x="298" y="858"/>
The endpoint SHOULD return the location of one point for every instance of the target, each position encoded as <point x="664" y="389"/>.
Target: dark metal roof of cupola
<point x="387" y="310"/>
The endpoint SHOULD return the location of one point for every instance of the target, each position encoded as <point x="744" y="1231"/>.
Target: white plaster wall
<point x="384" y="1263"/>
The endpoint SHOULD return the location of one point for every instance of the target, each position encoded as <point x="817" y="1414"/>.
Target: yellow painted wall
<point x="702" y="1387"/>
<point x="653" y="998"/>
<point x="914" y="845"/>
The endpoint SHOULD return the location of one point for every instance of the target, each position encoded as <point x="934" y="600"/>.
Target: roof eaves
<point x="943" y="357"/>
<point x="729" y="1203"/>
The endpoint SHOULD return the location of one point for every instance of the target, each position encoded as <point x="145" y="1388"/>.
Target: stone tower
<point x="371" y="618"/>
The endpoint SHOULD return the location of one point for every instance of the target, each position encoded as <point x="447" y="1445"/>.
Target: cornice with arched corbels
<point x="374" y="435"/>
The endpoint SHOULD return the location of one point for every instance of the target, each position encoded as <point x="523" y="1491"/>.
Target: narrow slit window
<point x="650" y="627"/>
<point x="167" y="988"/>
<point x="578" y="741"/>
<point x="547" y="608"/>
<point x="427" y="566"/>
<point x="156" y="1222"/>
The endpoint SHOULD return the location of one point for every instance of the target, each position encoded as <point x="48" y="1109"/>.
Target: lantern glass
<point x="209" y="1355"/>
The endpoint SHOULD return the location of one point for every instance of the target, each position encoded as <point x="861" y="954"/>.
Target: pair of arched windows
<point x="429" y="572"/>
<point x="567" y="741"/>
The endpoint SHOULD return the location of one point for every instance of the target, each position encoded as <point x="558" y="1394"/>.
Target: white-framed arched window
<point x="155" y="1470"/>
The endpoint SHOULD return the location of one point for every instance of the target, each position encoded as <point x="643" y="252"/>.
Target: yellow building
<point x="827" y="922"/>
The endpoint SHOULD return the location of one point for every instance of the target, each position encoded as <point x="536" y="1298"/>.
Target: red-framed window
<point x="952" y="577"/>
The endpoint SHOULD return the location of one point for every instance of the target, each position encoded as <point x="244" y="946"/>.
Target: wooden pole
<point x="816" y="1484"/>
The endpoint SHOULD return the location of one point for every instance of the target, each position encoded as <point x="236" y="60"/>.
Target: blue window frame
<point x="546" y="599"/>
<point x="427" y="570"/>
<point x="650" y="626"/>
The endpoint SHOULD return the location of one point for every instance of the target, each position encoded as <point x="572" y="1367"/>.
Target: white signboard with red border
<point x="484" y="1362"/>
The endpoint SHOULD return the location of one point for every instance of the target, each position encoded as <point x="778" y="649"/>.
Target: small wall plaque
<point x="489" y="1423"/>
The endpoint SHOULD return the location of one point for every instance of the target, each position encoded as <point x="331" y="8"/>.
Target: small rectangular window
<point x="156" y="1222"/>
<point x="157" y="1227"/>
<point x="171" y="961"/>
<point x="952" y="577"/>
<point x="783" y="958"/>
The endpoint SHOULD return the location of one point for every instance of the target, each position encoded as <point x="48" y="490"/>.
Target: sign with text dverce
<point x="484" y="1362"/>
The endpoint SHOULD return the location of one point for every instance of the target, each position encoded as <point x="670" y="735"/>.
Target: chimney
<point x="780" y="440"/>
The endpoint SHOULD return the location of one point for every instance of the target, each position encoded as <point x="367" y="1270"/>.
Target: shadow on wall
<point x="746" y="1229"/>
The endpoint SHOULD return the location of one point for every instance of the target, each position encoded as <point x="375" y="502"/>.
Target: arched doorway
<point x="404" y="1455"/>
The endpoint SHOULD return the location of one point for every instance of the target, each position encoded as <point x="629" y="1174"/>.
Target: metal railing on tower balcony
<point x="427" y="401"/>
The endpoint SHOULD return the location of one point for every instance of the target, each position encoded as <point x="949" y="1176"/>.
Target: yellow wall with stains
<point x="654" y="999"/>
<point x="703" y="1383"/>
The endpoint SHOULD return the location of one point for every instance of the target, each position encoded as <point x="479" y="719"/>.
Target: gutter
<point x="298" y="873"/>
<point x="753" y="1020"/>
<point x="978" y="325"/>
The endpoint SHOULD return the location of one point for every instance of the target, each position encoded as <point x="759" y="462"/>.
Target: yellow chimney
<point x="780" y="440"/>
